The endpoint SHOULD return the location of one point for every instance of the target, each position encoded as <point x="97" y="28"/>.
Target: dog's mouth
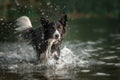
<point x="56" y="41"/>
<point x="51" y="42"/>
<point x="48" y="50"/>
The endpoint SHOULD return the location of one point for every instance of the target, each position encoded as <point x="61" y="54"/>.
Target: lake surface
<point x="90" y="51"/>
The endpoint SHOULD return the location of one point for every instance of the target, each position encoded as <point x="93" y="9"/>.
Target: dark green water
<point x="92" y="52"/>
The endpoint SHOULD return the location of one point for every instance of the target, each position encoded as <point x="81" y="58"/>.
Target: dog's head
<point x="54" y="30"/>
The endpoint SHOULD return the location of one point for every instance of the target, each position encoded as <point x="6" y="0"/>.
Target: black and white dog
<point x="46" y="40"/>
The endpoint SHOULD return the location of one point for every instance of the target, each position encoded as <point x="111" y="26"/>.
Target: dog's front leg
<point x="48" y="50"/>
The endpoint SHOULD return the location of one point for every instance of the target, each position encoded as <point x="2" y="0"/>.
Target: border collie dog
<point x="46" y="40"/>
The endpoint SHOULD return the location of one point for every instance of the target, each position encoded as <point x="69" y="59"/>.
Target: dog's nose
<point x="56" y="36"/>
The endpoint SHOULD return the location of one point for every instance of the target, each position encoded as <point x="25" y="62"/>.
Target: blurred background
<point x="92" y="42"/>
<point x="101" y="16"/>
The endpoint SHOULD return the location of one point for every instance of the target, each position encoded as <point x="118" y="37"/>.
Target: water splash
<point x="13" y="54"/>
<point x="76" y="58"/>
<point x="68" y="59"/>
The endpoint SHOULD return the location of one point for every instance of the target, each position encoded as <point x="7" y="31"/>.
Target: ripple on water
<point x="118" y="48"/>
<point x="111" y="52"/>
<point x="110" y="57"/>
<point x="110" y="64"/>
<point x="117" y="64"/>
<point x="101" y="74"/>
<point x="18" y="59"/>
<point x="85" y="71"/>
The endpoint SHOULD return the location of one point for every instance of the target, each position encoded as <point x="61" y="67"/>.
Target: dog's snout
<point x="57" y="36"/>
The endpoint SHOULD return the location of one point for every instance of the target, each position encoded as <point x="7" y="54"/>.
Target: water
<point x="89" y="52"/>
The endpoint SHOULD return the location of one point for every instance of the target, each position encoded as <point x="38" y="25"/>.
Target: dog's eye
<point x="58" y="27"/>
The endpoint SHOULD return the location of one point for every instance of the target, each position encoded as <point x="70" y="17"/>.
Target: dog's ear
<point x="63" y="20"/>
<point x="44" y="21"/>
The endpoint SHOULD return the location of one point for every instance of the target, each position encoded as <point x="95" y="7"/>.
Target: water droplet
<point x="51" y="6"/>
<point x="17" y="3"/>
<point x="43" y="13"/>
<point x="56" y="9"/>
<point x="48" y="3"/>
<point x="1" y="19"/>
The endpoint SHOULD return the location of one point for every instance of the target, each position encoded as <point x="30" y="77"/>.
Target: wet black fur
<point x="38" y="37"/>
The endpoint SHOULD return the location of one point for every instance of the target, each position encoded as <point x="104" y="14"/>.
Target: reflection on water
<point x="79" y="60"/>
